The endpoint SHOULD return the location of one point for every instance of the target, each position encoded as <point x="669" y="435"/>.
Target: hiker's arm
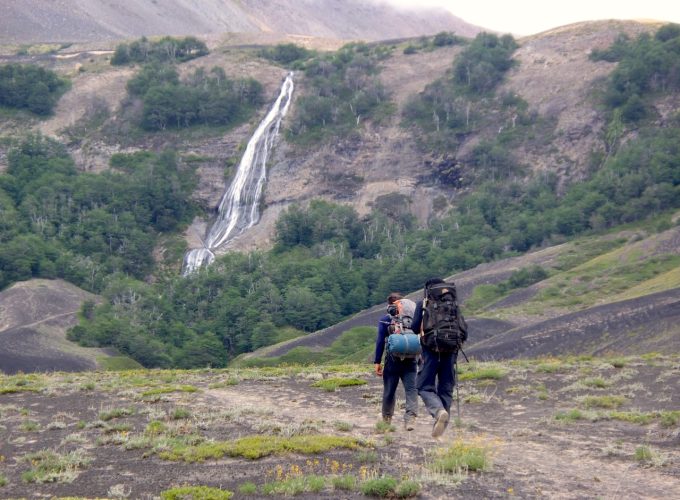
<point x="380" y="345"/>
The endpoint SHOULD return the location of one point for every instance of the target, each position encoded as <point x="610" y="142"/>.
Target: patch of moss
<point x="254" y="447"/>
<point x="332" y="384"/>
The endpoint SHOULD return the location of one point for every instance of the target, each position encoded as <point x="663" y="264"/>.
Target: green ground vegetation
<point x="30" y="87"/>
<point x="163" y="50"/>
<point x="345" y="92"/>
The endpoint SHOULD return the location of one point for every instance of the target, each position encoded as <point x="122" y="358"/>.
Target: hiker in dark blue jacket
<point x="437" y="376"/>
<point x="395" y="369"/>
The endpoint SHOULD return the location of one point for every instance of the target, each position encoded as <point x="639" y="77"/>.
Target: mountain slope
<point x="34" y="317"/>
<point x="643" y="317"/>
<point x="34" y="21"/>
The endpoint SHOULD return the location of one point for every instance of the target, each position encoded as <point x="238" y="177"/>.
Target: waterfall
<point x="238" y="209"/>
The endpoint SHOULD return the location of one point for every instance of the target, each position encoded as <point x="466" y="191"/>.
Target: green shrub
<point x="346" y="482"/>
<point x="382" y="487"/>
<point x="461" y="456"/>
<point x="603" y="401"/>
<point x="48" y="466"/>
<point x="643" y="453"/>
<point x="116" y="413"/>
<point x="407" y="489"/>
<point x="670" y="418"/>
<point x="570" y="416"/>
<point x="248" y="489"/>
<point x="196" y="493"/>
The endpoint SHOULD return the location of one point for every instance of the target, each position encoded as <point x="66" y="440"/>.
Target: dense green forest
<point x="208" y="98"/>
<point x="98" y="231"/>
<point x="345" y="91"/>
<point x="166" y="49"/>
<point x="30" y="87"/>
<point x="83" y="227"/>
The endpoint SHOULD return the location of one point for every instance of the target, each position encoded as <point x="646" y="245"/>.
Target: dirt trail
<point x="533" y="455"/>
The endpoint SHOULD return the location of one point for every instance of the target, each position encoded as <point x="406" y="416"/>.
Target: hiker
<point x="396" y="368"/>
<point x="437" y="377"/>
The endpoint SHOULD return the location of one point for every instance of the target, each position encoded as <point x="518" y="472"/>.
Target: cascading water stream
<point x="238" y="209"/>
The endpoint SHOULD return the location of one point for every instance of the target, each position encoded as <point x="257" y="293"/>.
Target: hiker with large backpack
<point x="442" y="330"/>
<point x="401" y="348"/>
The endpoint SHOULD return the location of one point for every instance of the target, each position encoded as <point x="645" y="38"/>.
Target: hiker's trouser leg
<point x="408" y="378"/>
<point x="446" y="379"/>
<point x="426" y="382"/>
<point x="390" y="383"/>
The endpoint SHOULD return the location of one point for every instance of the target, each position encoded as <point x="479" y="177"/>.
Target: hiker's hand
<point x="378" y="369"/>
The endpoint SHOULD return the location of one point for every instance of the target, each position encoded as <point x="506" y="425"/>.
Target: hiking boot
<point x="387" y="420"/>
<point x="409" y="424"/>
<point x="440" y="423"/>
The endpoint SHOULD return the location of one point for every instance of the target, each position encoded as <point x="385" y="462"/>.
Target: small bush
<point x="383" y="427"/>
<point x="570" y="416"/>
<point x="407" y="489"/>
<point x="670" y="418"/>
<point x="48" y="466"/>
<point x="180" y="413"/>
<point x="345" y="483"/>
<point x="196" y="493"/>
<point x="343" y="426"/>
<point x="116" y="413"/>
<point x="461" y="457"/>
<point x="643" y="453"/>
<point x="380" y="487"/>
<point x="248" y="489"/>
<point x="596" y="382"/>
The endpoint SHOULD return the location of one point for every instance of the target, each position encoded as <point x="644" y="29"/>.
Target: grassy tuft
<point x="167" y="390"/>
<point x="383" y="427"/>
<point x="332" y="384"/>
<point x="670" y="418"/>
<point x="382" y="487"/>
<point x="476" y="372"/>
<point x="248" y="488"/>
<point x="570" y="416"/>
<point x="407" y="489"/>
<point x="607" y="402"/>
<point x="295" y="485"/>
<point x="634" y="417"/>
<point x="346" y="482"/>
<point x="50" y="467"/>
<point x="116" y="413"/>
<point x="196" y="493"/>
<point x="461" y="457"/>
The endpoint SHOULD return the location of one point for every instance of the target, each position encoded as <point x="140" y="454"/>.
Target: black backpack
<point x="444" y="328"/>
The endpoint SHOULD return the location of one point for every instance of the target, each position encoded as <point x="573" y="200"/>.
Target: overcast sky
<point x="526" y="17"/>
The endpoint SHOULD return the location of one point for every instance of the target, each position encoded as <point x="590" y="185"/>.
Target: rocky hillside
<point x="553" y="74"/>
<point x="69" y="21"/>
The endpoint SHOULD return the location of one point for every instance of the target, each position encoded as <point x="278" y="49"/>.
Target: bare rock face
<point x="35" y="21"/>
